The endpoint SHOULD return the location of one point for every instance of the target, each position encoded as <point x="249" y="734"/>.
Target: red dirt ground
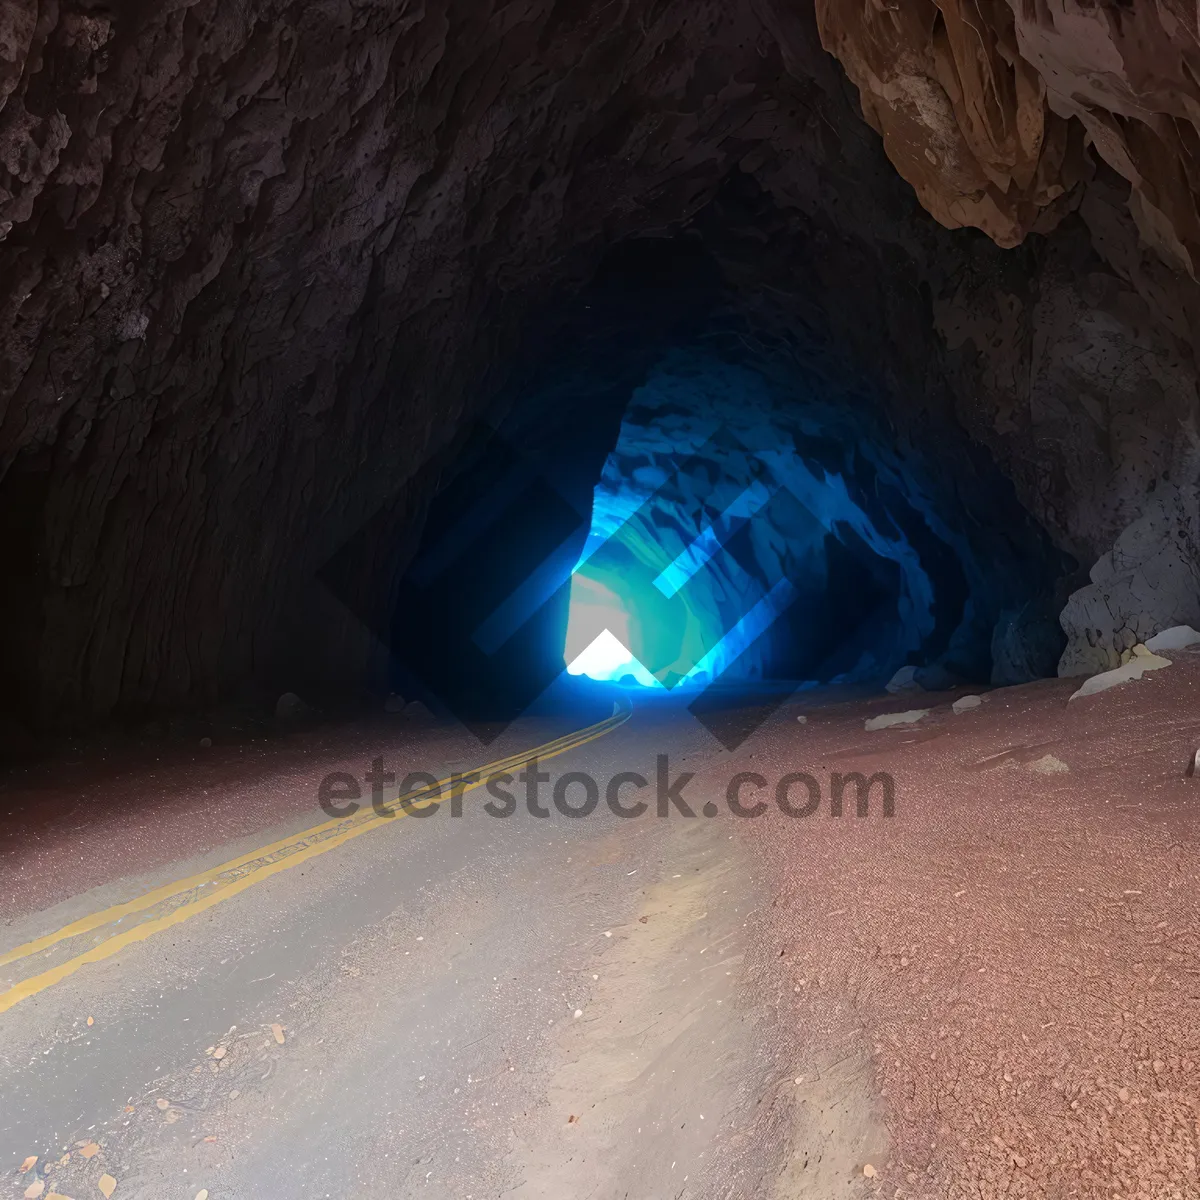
<point x="1019" y="951"/>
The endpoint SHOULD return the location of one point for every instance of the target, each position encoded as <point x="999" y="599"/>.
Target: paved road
<point x="418" y="1006"/>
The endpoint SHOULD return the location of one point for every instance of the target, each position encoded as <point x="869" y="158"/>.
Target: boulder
<point x="1148" y="581"/>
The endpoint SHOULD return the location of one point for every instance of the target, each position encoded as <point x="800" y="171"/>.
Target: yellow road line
<point x="155" y="896"/>
<point x="359" y="824"/>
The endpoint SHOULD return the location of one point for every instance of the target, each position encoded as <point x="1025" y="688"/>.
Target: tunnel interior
<point x="931" y="378"/>
<point x="684" y="486"/>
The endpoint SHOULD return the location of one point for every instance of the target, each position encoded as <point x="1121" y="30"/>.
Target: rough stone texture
<point x="1148" y="581"/>
<point x="1026" y="643"/>
<point x="261" y="261"/>
<point x="985" y="106"/>
<point x="997" y="112"/>
<point x="964" y="116"/>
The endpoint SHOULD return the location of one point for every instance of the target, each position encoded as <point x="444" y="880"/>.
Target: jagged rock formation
<point x="986" y="106"/>
<point x="261" y="264"/>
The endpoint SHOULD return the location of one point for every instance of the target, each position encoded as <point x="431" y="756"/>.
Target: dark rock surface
<point x="261" y="265"/>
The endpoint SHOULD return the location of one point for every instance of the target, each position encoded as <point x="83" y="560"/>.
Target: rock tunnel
<point x="730" y="469"/>
<point x="894" y="307"/>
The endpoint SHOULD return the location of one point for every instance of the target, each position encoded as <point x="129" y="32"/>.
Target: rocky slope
<point x="261" y="262"/>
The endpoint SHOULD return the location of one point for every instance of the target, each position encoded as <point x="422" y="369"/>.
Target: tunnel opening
<point x="694" y="480"/>
<point x="747" y="529"/>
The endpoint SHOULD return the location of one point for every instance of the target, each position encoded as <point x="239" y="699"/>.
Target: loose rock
<point x="911" y="717"/>
<point x="1178" y="637"/>
<point x="1141" y="661"/>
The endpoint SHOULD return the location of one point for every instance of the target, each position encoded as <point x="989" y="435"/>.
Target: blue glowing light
<point x="659" y="599"/>
<point x="643" y="607"/>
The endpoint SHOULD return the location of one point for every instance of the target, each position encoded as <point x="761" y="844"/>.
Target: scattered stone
<point x="163" y="1103"/>
<point x="414" y="708"/>
<point x="1141" y="660"/>
<point x="869" y="1171"/>
<point x="35" y="1189"/>
<point x="206" y="743"/>
<point x="289" y="707"/>
<point x="1193" y="767"/>
<point x="904" y="680"/>
<point x="220" y="1052"/>
<point x="234" y="1094"/>
<point x="802" y="719"/>
<point x="1049" y="765"/>
<point x="107" y="1184"/>
<point x="1178" y="637"/>
<point x="966" y="703"/>
<point x="277" y="1031"/>
<point x="31" y="1161"/>
<point x="394" y="703"/>
<point x="911" y="717"/>
<point x="88" y="1149"/>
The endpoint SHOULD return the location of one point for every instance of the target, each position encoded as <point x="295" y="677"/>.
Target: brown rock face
<point x="986" y="106"/>
<point x="260" y="263"/>
<point x="964" y="116"/>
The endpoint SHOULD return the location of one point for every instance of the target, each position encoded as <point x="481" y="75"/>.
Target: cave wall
<point x="1081" y="118"/>
<point x="261" y="263"/>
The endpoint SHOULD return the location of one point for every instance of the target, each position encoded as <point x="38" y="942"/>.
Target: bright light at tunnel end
<point x="605" y="657"/>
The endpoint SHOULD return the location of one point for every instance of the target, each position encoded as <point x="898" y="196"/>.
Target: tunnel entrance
<point x="709" y="488"/>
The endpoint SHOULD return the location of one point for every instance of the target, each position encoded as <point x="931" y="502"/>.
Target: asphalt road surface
<point x="223" y="988"/>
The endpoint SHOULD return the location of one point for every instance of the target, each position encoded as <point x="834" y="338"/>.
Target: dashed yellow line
<point x="255" y="866"/>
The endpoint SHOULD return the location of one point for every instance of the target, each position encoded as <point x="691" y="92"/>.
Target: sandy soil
<point x="1011" y="959"/>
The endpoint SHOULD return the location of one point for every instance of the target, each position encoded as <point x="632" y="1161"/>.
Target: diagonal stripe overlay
<point x="174" y="903"/>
